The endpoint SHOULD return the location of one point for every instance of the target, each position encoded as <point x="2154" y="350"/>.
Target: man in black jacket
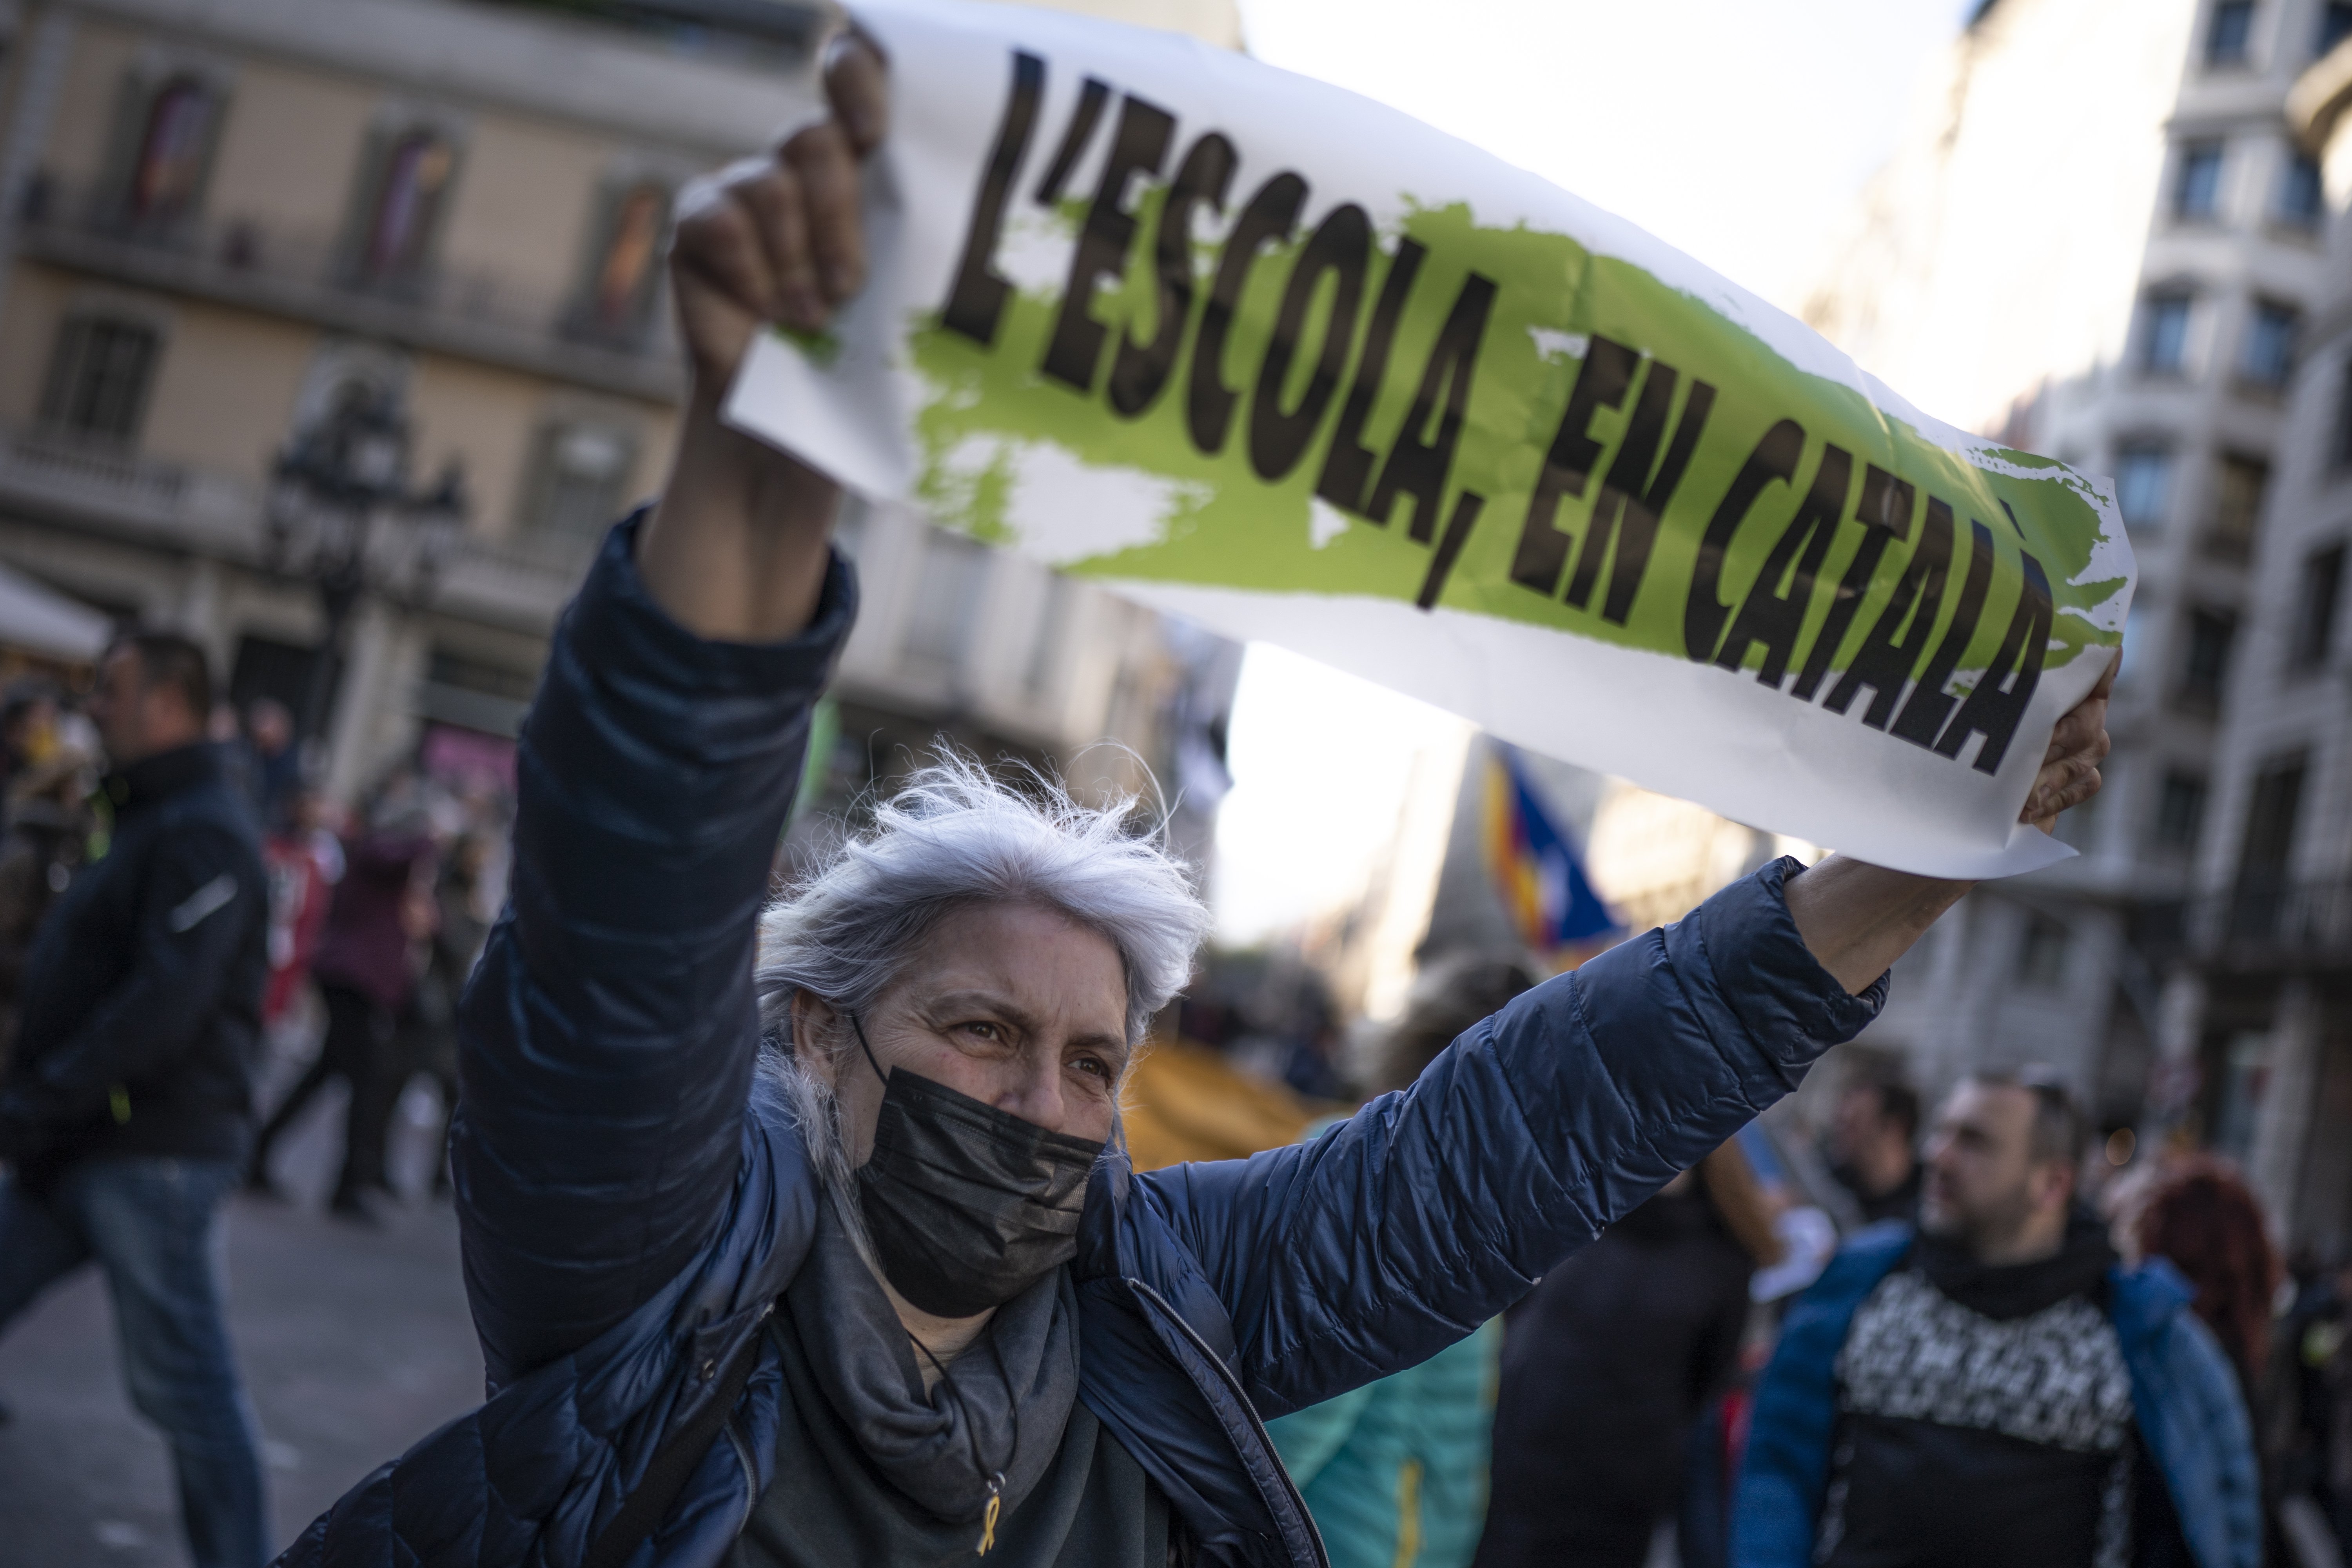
<point x="126" y="1112"/>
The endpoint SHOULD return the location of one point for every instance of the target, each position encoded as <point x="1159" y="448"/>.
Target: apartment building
<point x="2259" y="1055"/>
<point x="224" y="221"/>
<point x="2104" y="240"/>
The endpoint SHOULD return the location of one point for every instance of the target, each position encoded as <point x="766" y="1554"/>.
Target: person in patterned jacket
<point x="1996" y="1387"/>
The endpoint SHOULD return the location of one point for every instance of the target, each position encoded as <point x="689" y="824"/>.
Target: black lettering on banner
<point x="1138" y="147"/>
<point x="1140" y="369"/>
<point x="1269" y="217"/>
<point x="1632" y="493"/>
<point x="1885" y="512"/>
<point x="1887" y="655"/>
<point x="1774" y="457"/>
<point x="1418" y="468"/>
<point x="1347" y="466"/>
<point x="1080" y="131"/>
<point x="1923" y="716"/>
<point x="976" y="304"/>
<point x="1340" y="245"/>
<point x="1601" y="382"/>
<point x="1991" y="710"/>
<point x="1466" y="507"/>
<point x="1769" y="615"/>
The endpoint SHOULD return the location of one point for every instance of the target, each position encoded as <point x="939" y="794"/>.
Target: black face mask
<point x="967" y="1205"/>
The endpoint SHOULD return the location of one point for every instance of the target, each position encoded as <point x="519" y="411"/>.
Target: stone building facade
<point x="2260" y="1050"/>
<point x="217" y="216"/>
<point x="2104" y="240"/>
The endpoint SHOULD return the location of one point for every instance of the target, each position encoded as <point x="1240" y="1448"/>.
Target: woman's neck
<point x="945" y="1338"/>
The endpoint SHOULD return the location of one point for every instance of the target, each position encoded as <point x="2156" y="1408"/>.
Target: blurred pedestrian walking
<point x="1395" y="1472"/>
<point x="28" y="728"/>
<point x="42" y="849"/>
<point x="366" y="967"/>
<point x="2204" y="1220"/>
<point x="1609" y="1361"/>
<point x="305" y="861"/>
<point x="273" y="762"/>
<point x="126" y="1110"/>
<point x="1998" y="1388"/>
<point x="1873" y="1146"/>
<point x="429" y="1027"/>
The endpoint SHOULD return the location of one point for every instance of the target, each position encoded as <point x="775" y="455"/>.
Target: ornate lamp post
<point x="332" y="486"/>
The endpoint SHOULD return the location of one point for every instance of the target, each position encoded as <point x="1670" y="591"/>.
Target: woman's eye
<point x="1095" y="1065"/>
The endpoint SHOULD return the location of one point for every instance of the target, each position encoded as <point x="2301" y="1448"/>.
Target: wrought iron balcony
<point x="2264" y="922"/>
<point x="311" y="276"/>
<point x="100" y="489"/>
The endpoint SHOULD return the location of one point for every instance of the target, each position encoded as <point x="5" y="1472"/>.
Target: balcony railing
<point x="2263" y="921"/>
<point x="102" y="490"/>
<point x="286" y="270"/>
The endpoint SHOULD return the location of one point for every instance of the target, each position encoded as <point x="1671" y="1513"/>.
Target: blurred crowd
<point x="1642" y="1404"/>
<point x="376" y="913"/>
<point x="1909" y="1334"/>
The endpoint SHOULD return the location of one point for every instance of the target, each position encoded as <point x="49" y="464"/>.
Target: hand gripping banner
<point x="1257" y="352"/>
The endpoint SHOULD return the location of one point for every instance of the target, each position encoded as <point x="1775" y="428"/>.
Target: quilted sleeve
<point x="1401" y="1231"/>
<point x="607" y="1037"/>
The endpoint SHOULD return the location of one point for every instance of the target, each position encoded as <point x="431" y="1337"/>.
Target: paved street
<point x="354" y="1345"/>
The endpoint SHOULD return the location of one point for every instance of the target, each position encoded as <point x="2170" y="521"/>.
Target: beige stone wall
<point x="223" y="390"/>
<point x="491" y="419"/>
<point x="86" y="104"/>
<point x="526" y="196"/>
<point x="37" y="297"/>
<point x="485" y="417"/>
<point x="289" y="149"/>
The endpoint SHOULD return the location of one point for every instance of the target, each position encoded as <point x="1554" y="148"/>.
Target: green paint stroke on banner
<point x="1561" y="324"/>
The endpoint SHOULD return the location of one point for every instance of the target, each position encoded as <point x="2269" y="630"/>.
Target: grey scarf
<point x="1002" y="1407"/>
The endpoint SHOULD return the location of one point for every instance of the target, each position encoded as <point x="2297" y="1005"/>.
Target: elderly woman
<point x="808" y="1239"/>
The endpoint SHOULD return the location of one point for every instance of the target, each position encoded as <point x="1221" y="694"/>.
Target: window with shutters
<point x="100" y="370"/>
<point x="2197" y="182"/>
<point x="579" y="475"/>
<point x="2240" y="483"/>
<point x="2317" y="596"/>
<point x="2229" y="33"/>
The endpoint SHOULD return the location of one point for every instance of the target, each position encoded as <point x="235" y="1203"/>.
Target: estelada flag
<point x="1536" y="870"/>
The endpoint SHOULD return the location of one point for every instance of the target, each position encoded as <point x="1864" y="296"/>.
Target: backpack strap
<point x="673" y="1462"/>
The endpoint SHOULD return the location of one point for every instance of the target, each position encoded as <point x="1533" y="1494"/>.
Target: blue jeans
<point x="150" y="1223"/>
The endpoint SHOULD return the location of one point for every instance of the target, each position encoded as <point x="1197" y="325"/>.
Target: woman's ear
<point x="816" y="1035"/>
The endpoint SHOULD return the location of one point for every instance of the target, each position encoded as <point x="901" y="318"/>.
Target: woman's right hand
<point x="736" y="550"/>
<point x="777" y="238"/>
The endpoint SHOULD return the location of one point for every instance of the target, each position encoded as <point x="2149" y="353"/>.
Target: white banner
<point x="1257" y="352"/>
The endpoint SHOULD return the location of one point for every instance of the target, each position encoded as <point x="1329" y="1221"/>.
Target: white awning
<point x="40" y="620"/>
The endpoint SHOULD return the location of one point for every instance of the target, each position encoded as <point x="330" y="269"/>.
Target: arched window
<point x="625" y="276"/>
<point x="170" y="162"/>
<point x="412" y="185"/>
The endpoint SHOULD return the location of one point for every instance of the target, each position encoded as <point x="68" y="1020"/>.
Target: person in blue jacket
<point x="1996" y="1387"/>
<point x="810" y="1240"/>
<point x="1396" y="1472"/>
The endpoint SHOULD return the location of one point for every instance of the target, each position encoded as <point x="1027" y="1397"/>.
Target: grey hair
<point x="951" y="836"/>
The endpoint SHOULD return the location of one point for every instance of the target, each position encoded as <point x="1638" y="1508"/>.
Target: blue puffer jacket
<point x="2185" y="1401"/>
<point x="634" y="1198"/>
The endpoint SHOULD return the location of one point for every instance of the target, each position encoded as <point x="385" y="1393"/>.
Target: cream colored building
<point x="2101" y="240"/>
<point x="2260" y="1000"/>
<point x="217" y="214"/>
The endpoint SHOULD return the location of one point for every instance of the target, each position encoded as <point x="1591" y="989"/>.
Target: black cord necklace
<point x="995" y="1478"/>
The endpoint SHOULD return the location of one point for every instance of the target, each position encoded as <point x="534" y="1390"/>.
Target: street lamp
<point x="329" y="489"/>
